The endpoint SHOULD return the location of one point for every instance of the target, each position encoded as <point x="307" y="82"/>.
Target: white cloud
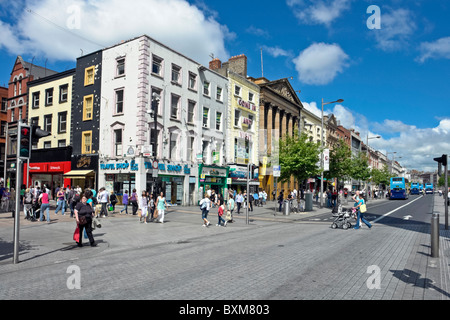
<point x="397" y="26"/>
<point x="435" y="50"/>
<point x="176" y="23"/>
<point x="320" y="63"/>
<point x="318" y="12"/>
<point x="276" y="51"/>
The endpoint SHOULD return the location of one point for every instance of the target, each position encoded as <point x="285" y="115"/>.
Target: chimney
<point x="238" y="64"/>
<point x="215" y="64"/>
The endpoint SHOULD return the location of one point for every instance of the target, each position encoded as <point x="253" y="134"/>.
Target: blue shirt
<point x="125" y="198"/>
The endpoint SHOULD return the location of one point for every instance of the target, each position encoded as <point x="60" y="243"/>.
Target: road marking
<point x="391" y="212"/>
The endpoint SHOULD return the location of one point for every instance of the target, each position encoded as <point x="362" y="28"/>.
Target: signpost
<point x="276" y="175"/>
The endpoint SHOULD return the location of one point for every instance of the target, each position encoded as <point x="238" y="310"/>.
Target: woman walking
<point x="134" y="201"/>
<point x="143" y="206"/>
<point x="83" y="215"/>
<point x="359" y="201"/>
<point x="161" y="206"/>
<point x="205" y="204"/>
<point x="125" y="202"/>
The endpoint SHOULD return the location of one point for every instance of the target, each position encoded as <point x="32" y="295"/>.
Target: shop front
<point x="50" y="174"/>
<point x="213" y="178"/>
<point x="238" y="176"/>
<point x="84" y="171"/>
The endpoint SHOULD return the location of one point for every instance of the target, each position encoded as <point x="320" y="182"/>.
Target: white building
<point x="141" y="75"/>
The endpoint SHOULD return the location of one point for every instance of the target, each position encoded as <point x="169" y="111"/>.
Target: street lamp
<point x="368" y="155"/>
<point x="321" y="145"/>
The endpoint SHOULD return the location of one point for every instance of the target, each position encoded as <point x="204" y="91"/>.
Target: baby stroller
<point x="36" y="210"/>
<point x="342" y="217"/>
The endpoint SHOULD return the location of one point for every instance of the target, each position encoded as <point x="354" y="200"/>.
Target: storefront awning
<point x="78" y="174"/>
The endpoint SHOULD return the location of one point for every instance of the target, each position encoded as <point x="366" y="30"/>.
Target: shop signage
<point x="162" y="167"/>
<point x="214" y="172"/>
<point x="247" y="105"/>
<point x="245" y="136"/>
<point x="132" y="166"/>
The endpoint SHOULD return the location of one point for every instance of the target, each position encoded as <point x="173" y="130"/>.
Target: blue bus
<point x="415" y="188"/>
<point x="429" y="188"/>
<point x="398" y="188"/>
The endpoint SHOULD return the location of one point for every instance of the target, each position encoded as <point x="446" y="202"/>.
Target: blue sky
<point x="394" y="80"/>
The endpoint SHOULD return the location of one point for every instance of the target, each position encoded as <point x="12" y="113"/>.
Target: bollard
<point x="435" y="235"/>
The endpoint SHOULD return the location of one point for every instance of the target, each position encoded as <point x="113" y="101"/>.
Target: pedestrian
<point x="83" y="215"/>
<point x="134" y="201"/>
<point x="5" y="200"/>
<point x="113" y="201"/>
<point x="61" y="201"/>
<point x="220" y="214"/>
<point x="239" y="200"/>
<point x="230" y="207"/>
<point x="28" y="204"/>
<point x="151" y="207"/>
<point x="45" y="205"/>
<point x="359" y="201"/>
<point x="143" y="206"/>
<point x="205" y="205"/>
<point x="103" y="199"/>
<point x="125" y="202"/>
<point x="250" y="201"/>
<point x="213" y="198"/>
<point x="161" y="206"/>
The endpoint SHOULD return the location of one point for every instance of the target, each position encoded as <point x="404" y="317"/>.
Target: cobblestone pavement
<point x="264" y="260"/>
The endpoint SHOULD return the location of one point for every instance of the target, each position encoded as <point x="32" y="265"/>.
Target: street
<point x="293" y="258"/>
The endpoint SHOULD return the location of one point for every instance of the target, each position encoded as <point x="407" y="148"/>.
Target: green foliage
<point x="381" y="176"/>
<point x="298" y="158"/>
<point x="360" y="167"/>
<point x="340" y="162"/>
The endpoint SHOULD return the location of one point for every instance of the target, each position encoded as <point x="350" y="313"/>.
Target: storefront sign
<point x="132" y="166"/>
<point x="247" y="105"/>
<point x="170" y="168"/>
<point x="216" y="172"/>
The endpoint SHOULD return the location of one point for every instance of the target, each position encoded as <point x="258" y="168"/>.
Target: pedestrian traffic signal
<point x="24" y="142"/>
<point x="37" y="133"/>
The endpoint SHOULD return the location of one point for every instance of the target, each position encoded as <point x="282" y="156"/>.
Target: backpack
<point x="76" y="198"/>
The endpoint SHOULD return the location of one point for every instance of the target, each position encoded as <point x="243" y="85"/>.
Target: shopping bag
<point x="76" y="234"/>
<point x="228" y="216"/>
<point x="155" y="214"/>
<point x="363" y="208"/>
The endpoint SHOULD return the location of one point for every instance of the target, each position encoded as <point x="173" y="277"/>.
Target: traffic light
<point x="24" y="142"/>
<point x="442" y="160"/>
<point x="37" y="133"/>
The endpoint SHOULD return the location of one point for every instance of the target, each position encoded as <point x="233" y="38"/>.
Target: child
<point x="220" y="214"/>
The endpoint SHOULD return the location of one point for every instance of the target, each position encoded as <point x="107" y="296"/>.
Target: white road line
<point x="391" y="212"/>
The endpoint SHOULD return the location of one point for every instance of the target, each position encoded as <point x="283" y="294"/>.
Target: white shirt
<point x="103" y="196"/>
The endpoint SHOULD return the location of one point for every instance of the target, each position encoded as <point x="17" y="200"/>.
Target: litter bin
<point x="287" y="208"/>
<point x="308" y="201"/>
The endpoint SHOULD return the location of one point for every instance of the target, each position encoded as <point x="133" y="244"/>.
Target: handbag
<point x="228" y="216"/>
<point x="363" y="208"/>
<point x="82" y="220"/>
<point x="76" y="234"/>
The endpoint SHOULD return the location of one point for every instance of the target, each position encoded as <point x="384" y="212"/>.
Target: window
<point x="174" y="107"/>
<point x="120" y="68"/>
<point x="237" y="116"/>
<point x="218" y="121"/>
<point x="205" y="117"/>
<point x="61" y="143"/>
<point x="173" y="146"/>
<point x="3" y="129"/>
<point x="47" y="145"/>
<point x="35" y="100"/>
<point x="88" y="107"/>
<point x="219" y="94"/>
<point x="34" y="121"/>
<point x="118" y="143"/>
<point x="89" y="74"/>
<point x="86" y="142"/>
<point x="154" y="135"/>
<point x="191" y="152"/>
<point x="63" y="93"/>
<point x="119" y="102"/>
<point x="237" y="91"/>
<point x="206" y="88"/>
<point x="192" y="81"/>
<point x="176" y="74"/>
<point x="49" y="97"/>
<point x="4" y="104"/>
<point x="191" y="111"/>
<point x="250" y="122"/>
<point x="156" y="97"/>
<point x="251" y="96"/>
<point x="62" y="122"/>
<point x="48" y="123"/>
<point x="157" y="65"/>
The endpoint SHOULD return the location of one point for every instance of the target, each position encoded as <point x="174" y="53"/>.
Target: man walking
<point x="103" y="198"/>
<point x="239" y="201"/>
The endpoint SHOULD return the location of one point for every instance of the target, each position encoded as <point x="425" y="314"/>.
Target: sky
<point x="388" y="60"/>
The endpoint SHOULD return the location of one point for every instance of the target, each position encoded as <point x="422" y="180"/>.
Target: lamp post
<point x="368" y="155"/>
<point x="321" y="146"/>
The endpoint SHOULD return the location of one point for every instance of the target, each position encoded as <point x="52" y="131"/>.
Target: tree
<point x="441" y="181"/>
<point x="340" y="162"/>
<point x="381" y="176"/>
<point x="298" y="158"/>
<point x="360" y="167"/>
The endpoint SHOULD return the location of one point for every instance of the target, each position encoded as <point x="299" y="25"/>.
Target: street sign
<point x="277" y="171"/>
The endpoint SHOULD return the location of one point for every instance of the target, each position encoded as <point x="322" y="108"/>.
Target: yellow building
<point x="50" y="102"/>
